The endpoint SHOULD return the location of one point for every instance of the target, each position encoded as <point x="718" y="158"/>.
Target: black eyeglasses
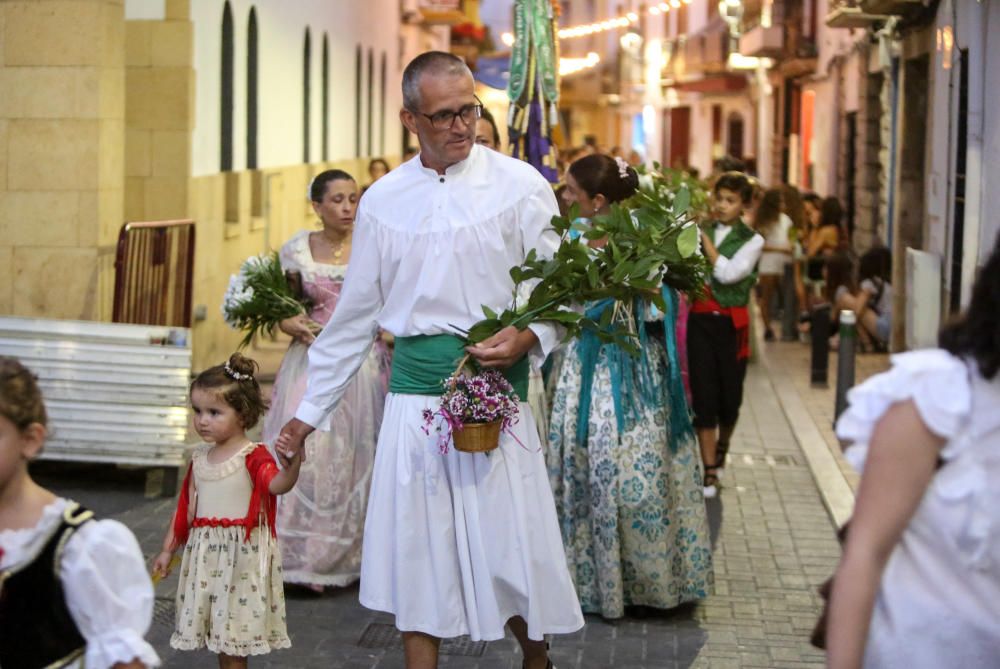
<point x="445" y="119"/>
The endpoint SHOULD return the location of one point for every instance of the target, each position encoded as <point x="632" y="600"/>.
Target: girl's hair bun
<point x="241" y="367"/>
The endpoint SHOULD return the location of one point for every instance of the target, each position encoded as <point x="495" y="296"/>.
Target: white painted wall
<point x="149" y="10"/>
<point x="281" y="29"/>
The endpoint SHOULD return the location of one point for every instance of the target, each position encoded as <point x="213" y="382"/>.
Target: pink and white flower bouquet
<point x="473" y="411"/>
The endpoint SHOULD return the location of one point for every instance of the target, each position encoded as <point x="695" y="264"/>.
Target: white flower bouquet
<point x="259" y="297"/>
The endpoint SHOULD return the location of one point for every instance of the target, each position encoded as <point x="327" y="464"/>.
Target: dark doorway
<point x="851" y="171"/>
<point x="226" y="92"/>
<point x="958" y="218"/>
<point x="371" y="99"/>
<point x="306" y="94"/>
<point x="252" y="40"/>
<point x="357" y="101"/>
<point x="324" y="122"/>
<point x="734" y="135"/>
<point x="680" y="136"/>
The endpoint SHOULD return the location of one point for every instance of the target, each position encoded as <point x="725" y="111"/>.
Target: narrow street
<point x="772" y="535"/>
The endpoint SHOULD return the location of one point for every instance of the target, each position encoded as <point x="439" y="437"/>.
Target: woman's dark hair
<point x="373" y="162"/>
<point x="976" y="333"/>
<point x="768" y="211"/>
<point x="598" y="173"/>
<point x="234" y="382"/>
<point x="791" y="203"/>
<point x="20" y="399"/>
<point x="839" y="272"/>
<point x="488" y="117"/>
<point x="736" y="182"/>
<point x="317" y="189"/>
<point x="830" y="212"/>
<point x="813" y="199"/>
<point x="876" y="262"/>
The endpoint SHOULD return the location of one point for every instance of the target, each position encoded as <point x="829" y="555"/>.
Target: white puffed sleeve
<point x="109" y="594"/>
<point x="936" y="381"/>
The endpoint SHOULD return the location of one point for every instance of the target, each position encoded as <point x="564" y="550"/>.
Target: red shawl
<point x="262" y="469"/>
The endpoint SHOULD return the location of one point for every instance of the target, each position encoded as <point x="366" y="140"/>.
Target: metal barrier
<point x="790" y="301"/>
<point x="114" y="393"/>
<point x="154" y="267"/>
<point x="846" y="352"/>
<point x="819" y="333"/>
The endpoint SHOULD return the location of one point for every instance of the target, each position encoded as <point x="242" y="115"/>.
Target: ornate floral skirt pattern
<point x="632" y="513"/>
<point x="224" y="601"/>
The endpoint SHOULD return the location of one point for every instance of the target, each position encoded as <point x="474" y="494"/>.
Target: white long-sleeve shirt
<point x="429" y="250"/>
<point x="737" y="268"/>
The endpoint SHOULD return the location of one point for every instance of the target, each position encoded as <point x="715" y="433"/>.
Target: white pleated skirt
<point x="459" y="543"/>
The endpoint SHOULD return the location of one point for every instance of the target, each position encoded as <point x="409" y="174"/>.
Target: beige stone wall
<point x="61" y="157"/>
<point x="266" y="208"/>
<point x="159" y="115"/>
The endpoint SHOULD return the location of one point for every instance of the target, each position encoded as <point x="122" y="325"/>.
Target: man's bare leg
<point x="420" y="650"/>
<point x="536" y="654"/>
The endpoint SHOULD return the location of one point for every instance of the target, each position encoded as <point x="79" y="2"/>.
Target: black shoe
<point x="769" y="335"/>
<point x="721" y="451"/>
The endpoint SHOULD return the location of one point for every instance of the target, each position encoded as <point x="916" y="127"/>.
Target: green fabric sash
<point x="734" y="294"/>
<point x="421" y="363"/>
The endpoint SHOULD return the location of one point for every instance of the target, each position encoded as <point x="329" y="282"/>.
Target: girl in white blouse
<point x="74" y="591"/>
<point x="919" y="581"/>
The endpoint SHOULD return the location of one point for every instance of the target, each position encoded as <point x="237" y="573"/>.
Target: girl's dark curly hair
<point x="20" y="399"/>
<point x="234" y="382"/>
<point x="976" y="334"/>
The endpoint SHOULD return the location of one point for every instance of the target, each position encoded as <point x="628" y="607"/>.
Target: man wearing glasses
<point x="455" y="543"/>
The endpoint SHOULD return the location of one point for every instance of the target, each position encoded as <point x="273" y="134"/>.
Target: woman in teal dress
<point x="622" y="457"/>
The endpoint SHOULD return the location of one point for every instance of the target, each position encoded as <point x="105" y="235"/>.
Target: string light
<point x="587" y="29"/>
<point x="571" y="65"/>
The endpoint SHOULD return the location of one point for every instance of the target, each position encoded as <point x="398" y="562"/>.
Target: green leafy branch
<point x="624" y="255"/>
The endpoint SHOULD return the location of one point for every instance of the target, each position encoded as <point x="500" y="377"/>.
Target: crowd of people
<point x="595" y="500"/>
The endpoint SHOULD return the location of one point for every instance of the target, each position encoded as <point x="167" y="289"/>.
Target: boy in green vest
<point x="718" y="334"/>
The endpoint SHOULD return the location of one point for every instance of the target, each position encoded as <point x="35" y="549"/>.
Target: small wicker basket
<point x="477" y="437"/>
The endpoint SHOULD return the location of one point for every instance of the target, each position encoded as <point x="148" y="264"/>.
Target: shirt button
<point x="442" y="179"/>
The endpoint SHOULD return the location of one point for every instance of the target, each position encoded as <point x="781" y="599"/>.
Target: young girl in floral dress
<point x="230" y="597"/>
<point x="74" y="591"/>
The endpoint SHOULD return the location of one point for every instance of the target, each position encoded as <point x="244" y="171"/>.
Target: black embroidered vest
<point x="36" y="629"/>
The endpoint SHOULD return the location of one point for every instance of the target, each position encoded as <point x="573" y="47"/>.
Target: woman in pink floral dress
<point x="321" y="521"/>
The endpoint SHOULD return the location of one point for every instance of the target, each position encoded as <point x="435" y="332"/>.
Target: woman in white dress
<point x="775" y="227"/>
<point x="321" y="521"/>
<point x="919" y="580"/>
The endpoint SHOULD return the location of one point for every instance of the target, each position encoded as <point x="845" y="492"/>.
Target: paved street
<point x="772" y="534"/>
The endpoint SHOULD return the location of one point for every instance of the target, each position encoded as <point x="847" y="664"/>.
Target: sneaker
<point x="711" y="483"/>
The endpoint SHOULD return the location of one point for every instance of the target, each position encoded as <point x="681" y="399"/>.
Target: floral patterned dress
<point x="321" y="520"/>
<point x="630" y="504"/>
<point x="230" y="596"/>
